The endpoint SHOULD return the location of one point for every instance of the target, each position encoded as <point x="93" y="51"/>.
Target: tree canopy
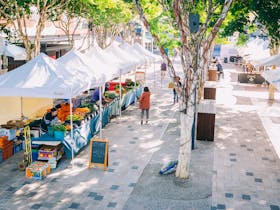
<point x="249" y="15"/>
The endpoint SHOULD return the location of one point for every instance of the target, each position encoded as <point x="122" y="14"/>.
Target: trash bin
<point x="225" y="59"/>
<point x="206" y="120"/>
<point x="212" y="75"/>
<point x="209" y="92"/>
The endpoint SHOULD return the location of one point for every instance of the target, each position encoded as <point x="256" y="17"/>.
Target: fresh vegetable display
<point x="75" y="117"/>
<point x="58" y="127"/>
<point x="82" y="110"/>
<point x="110" y="94"/>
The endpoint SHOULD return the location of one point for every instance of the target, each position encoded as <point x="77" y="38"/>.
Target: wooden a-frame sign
<point x="98" y="153"/>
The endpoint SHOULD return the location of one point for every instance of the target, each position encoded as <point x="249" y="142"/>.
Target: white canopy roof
<point x="42" y="77"/>
<point x="129" y="49"/>
<point x="255" y="50"/>
<point x="10" y="50"/>
<point x="82" y="68"/>
<point x="273" y="77"/>
<point x="145" y="52"/>
<point x="272" y="60"/>
<point x="125" y="60"/>
<point x="108" y="63"/>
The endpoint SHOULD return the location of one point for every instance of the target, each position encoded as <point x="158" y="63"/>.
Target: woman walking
<point x="144" y="104"/>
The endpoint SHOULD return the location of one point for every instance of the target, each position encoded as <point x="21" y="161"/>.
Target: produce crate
<point x="7" y="150"/>
<point x="11" y="133"/>
<point x="3" y="141"/>
<point x="113" y="84"/>
<point x="47" y="152"/>
<point x="37" y="170"/>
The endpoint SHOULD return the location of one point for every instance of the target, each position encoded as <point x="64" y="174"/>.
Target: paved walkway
<point x="239" y="170"/>
<point x="246" y="172"/>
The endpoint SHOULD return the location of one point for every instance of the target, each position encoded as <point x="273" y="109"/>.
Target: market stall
<point x="87" y="125"/>
<point x="41" y="77"/>
<point x="68" y="79"/>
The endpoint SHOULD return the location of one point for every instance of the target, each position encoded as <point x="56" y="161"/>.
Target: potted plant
<point x="59" y="131"/>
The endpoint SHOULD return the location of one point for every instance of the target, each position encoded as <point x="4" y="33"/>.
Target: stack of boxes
<point x="6" y="147"/>
<point x="9" y="143"/>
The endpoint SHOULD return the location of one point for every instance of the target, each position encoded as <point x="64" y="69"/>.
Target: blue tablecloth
<point x="129" y="98"/>
<point x="138" y="92"/>
<point x="89" y="128"/>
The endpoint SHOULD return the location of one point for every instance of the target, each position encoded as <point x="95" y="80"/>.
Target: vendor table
<point x="129" y="98"/>
<point x="90" y="127"/>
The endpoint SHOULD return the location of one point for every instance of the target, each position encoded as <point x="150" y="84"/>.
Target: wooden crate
<point x="37" y="170"/>
<point x="7" y="150"/>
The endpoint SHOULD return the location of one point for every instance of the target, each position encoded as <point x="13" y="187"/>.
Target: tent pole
<point x="135" y="99"/>
<point x="72" y="133"/>
<point x="145" y="74"/>
<point x="120" y="84"/>
<point x="154" y="74"/>
<point x="21" y="108"/>
<point x="100" y="112"/>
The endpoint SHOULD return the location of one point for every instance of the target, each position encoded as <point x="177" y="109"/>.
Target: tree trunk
<point x="274" y="49"/>
<point x="184" y="158"/>
<point x="192" y="65"/>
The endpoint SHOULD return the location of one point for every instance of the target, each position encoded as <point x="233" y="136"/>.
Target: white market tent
<point x="273" y="77"/>
<point x="145" y="52"/>
<point x="122" y="56"/>
<point x="102" y="62"/>
<point x="109" y="59"/>
<point x="129" y="49"/>
<point x="11" y="50"/>
<point x="75" y="62"/>
<point x="255" y="50"/>
<point x="41" y="77"/>
<point x="272" y="60"/>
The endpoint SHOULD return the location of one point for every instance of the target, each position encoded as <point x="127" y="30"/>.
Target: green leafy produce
<point x="75" y="117"/>
<point x="90" y="106"/>
<point x="111" y="95"/>
<point x="58" y="127"/>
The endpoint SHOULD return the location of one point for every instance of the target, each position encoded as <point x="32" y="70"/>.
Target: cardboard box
<point x="11" y="133"/>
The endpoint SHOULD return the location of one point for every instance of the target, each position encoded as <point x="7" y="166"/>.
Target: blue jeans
<point x="175" y="96"/>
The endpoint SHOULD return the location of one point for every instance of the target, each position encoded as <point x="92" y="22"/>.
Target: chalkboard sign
<point x="98" y="155"/>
